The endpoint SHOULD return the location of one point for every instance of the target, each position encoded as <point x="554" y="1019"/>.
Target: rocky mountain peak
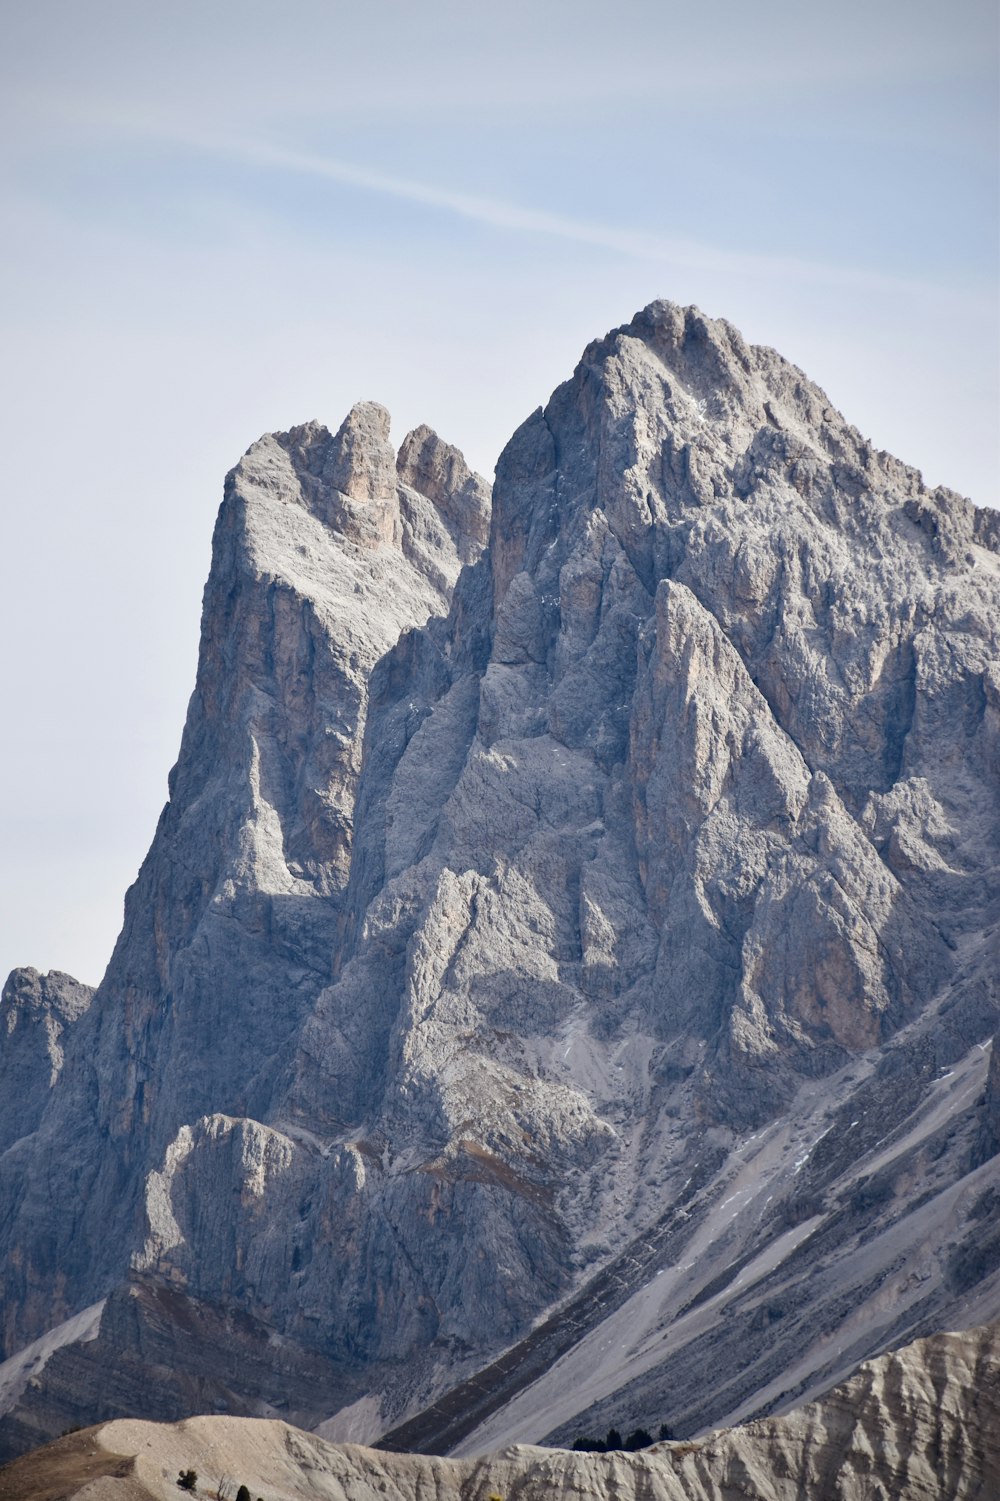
<point x="425" y="501"/>
<point x="674" y="417"/>
<point x="29" y="994"/>
<point x="37" y="1013"/>
<point x="620" y="908"/>
<point x="438" y="470"/>
<point x="361" y="462"/>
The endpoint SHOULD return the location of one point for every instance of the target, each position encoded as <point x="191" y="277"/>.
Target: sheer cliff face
<point x="488" y="919"/>
<point x="324" y="552"/>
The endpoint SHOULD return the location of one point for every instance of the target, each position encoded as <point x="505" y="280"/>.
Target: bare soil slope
<point x="922" y="1422"/>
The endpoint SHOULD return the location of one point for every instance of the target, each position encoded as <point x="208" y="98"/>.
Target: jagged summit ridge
<point x="354" y="482"/>
<point x="513" y="900"/>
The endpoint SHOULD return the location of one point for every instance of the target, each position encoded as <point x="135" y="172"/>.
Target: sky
<point x="220" y="219"/>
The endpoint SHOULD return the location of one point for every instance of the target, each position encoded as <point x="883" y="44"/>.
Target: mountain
<point x="561" y="985"/>
<point x="920" y="1424"/>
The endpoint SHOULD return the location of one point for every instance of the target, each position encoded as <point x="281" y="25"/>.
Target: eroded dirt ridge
<point x="921" y="1423"/>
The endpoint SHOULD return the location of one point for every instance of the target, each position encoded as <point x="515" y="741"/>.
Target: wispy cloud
<point x="667" y="250"/>
<point x="516" y="218"/>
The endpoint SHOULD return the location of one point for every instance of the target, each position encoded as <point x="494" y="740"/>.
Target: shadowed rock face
<point x="921" y="1423"/>
<point x="508" y="926"/>
<point x="37" y="1013"/>
<point x="988" y="1141"/>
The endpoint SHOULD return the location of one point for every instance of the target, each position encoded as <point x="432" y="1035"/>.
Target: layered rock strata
<point x="921" y="1423"/>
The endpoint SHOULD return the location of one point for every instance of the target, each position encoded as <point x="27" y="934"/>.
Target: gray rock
<point x="230" y="927"/>
<point x="505" y="897"/>
<point x="36" y="1013"/>
<point x="988" y="1139"/>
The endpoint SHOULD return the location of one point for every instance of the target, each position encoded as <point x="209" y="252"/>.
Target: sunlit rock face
<point x="521" y="868"/>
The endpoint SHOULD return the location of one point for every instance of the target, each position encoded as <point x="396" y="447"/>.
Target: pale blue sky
<point x="224" y="218"/>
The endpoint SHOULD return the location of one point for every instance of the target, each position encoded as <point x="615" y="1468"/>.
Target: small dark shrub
<point x="243" y="1494"/>
<point x="639" y="1438"/>
<point x="613" y="1440"/>
<point x="187" y="1480"/>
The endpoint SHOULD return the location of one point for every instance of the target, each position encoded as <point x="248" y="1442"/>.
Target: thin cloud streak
<point x="516" y="218"/>
<point x="500" y="214"/>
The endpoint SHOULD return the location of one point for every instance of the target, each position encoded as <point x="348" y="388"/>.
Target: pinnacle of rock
<point x="436" y="469"/>
<point x="361" y="461"/>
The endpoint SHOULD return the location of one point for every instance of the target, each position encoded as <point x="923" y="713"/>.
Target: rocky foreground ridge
<point x="571" y="941"/>
<point x="921" y="1423"/>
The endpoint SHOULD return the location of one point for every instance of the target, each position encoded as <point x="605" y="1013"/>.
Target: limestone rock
<point x="36" y="1012"/>
<point x="360" y="461"/>
<point x="427" y="466"/>
<point x="149" y="1345"/>
<point x="988" y="1139"/>
<point x="581" y="946"/>
<point x="40" y="1016"/>
<point x="230" y="927"/>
